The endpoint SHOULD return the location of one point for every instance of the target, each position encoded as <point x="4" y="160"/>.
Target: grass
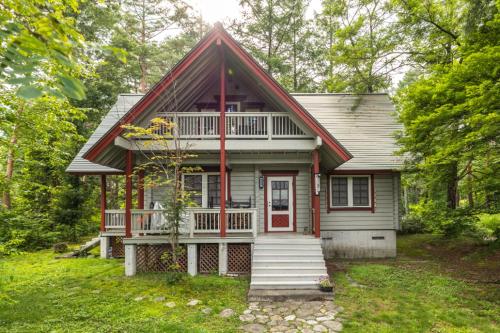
<point x="435" y="285"/>
<point x="417" y="292"/>
<point x="41" y="294"/>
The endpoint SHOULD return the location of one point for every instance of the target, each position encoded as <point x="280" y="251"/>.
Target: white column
<point x="104" y="246"/>
<point x="130" y="259"/>
<point x="222" y="258"/>
<point x="192" y="256"/>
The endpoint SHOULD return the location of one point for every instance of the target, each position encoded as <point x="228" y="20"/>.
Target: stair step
<point x="284" y="285"/>
<point x="288" y="241"/>
<point x="286" y="277"/>
<point x="287" y="256"/>
<point x="276" y="264"/>
<point x="287" y="247"/>
<point x="319" y="270"/>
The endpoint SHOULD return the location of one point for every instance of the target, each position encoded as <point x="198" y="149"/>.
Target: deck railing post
<point x="128" y="193"/>
<point x="103" y="203"/>
<point x="315" y="194"/>
<point x="254" y="223"/>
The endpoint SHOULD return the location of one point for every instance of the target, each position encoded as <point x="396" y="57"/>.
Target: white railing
<point x="284" y="126"/>
<point x="241" y="220"/>
<point x="255" y="125"/>
<point x="114" y="218"/>
<point x="197" y="221"/>
<point x="247" y="125"/>
<point x="192" y="124"/>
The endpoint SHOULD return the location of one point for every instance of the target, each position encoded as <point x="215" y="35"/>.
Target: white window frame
<point x="350" y="192"/>
<point x="204" y="185"/>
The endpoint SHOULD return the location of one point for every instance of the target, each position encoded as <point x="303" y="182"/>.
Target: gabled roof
<point x="365" y="124"/>
<point x="220" y="36"/>
<point x="80" y="165"/>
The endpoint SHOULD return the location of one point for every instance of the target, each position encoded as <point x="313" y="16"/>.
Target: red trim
<point x="222" y="129"/>
<point x="95" y="173"/>
<point x="329" y="208"/>
<point x="292" y="173"/>
<point x="280" y="172"/>
<point x="128" y="193"/>
<point x="140" y="189"/>
<point x="219" y="35"/>
<point x="103" y="203"/>
<point x="315" y="197"/>
<point x="265" y="204"/>
<point x="372" y="190"/>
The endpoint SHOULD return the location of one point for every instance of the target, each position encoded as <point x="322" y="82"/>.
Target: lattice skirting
<point x="239" y="258"/>
<point x="208" y="258"/>
<point x="149" y="258"/>
<point x="117" y="247"/>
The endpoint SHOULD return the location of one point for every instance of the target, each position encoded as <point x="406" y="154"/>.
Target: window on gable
<point x="350" y="191"/>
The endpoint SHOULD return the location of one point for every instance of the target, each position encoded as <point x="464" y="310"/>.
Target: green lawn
<point x="433" y="286"/>
<point x="422" y="291"/>
<point x="41" y="294"/>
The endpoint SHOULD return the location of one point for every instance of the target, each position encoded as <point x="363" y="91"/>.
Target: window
<point x="193" y="184"/>
<point x="350" y="192"/>
<point x="279" y="195"/>
<point x="204" y="188"/>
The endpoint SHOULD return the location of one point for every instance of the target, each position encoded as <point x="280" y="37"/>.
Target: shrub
<point x="60" y="247"/>
<point x="490" y="225"/>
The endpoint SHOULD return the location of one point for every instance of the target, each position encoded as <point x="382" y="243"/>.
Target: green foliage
<point x="490" y="224"/>
<point x="363" y="48"/>
<point x="38" y="49"/>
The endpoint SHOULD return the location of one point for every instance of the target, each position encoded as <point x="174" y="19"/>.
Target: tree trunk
<point x="452" y="193"/>
<point x="9" y="167"/>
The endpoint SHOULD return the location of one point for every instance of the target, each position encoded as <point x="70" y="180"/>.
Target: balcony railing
<point x="197" y="221"/>
<point x="255" y="125"/>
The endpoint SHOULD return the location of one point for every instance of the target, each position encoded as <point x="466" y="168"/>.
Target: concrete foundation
<point x="359" y="244"/>
<point x="130" y="259"/>
<point x="104" y="247"/>
<point x="222" y="258"/>
<point x="192" y="257"/>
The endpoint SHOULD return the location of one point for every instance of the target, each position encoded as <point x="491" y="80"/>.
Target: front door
<point x="280" y="198"/>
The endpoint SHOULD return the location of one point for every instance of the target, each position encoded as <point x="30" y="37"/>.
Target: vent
<point x="378" y="237"/>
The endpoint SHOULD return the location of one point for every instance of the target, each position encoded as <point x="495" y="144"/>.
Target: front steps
<point x="287" y="265"/>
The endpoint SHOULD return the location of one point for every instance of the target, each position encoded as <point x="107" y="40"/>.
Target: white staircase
<point x="287" y="261"/>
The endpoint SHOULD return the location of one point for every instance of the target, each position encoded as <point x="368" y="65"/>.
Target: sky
<point x="219" y="10"/>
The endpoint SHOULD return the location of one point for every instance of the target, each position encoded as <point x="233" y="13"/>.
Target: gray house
<point x="286" y="180"/>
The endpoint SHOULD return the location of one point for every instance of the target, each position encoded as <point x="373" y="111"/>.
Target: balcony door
<point x="280" y="206"/>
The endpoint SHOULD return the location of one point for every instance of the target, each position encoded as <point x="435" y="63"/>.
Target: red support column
<point x="140" y="189"/>
<point x="103" y="203"/>
<point x="222" y="129"/>
<point x="315" y="197"/>
<point x="128" y="193"/>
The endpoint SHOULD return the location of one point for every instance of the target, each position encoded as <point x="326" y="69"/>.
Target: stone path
<point x="291" y="317"/>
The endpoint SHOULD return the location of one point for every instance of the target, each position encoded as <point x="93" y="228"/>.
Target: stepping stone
<point x="226" y="313"/>
<point x="247" y="311"/>
<point x="254" y="328"/>
<point x="170" y="304"/>
<point x="279" y="328"/>
<point x="159" y="299"/>
<point x="325" y="318"/>
<point x="193" y="302"/>
<point x="311" y="322"/>
<point x="206" y="310"/>
<point x="320" y="328"/>
<point x="262" y="319"/>
<point x="333" y="325"/>
<point x="290" y="317"/>
<point x="276" y="317"/>
<point x="247" y="317"/>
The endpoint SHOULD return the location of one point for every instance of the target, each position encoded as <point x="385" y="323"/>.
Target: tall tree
<point x="145" y="23"/>
<point x="363" y="45"/>
<point x="264" y="30"/>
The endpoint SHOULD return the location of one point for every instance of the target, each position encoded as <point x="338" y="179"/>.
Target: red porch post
<point x="128" y="193"/>
<point x="103" y="203"/>
<point x="140" y="189"/>
<point x="315" y="196"/>
<point x="222" y="129"/>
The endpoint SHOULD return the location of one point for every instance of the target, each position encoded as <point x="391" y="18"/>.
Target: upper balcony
<point x="239" y="125"/>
